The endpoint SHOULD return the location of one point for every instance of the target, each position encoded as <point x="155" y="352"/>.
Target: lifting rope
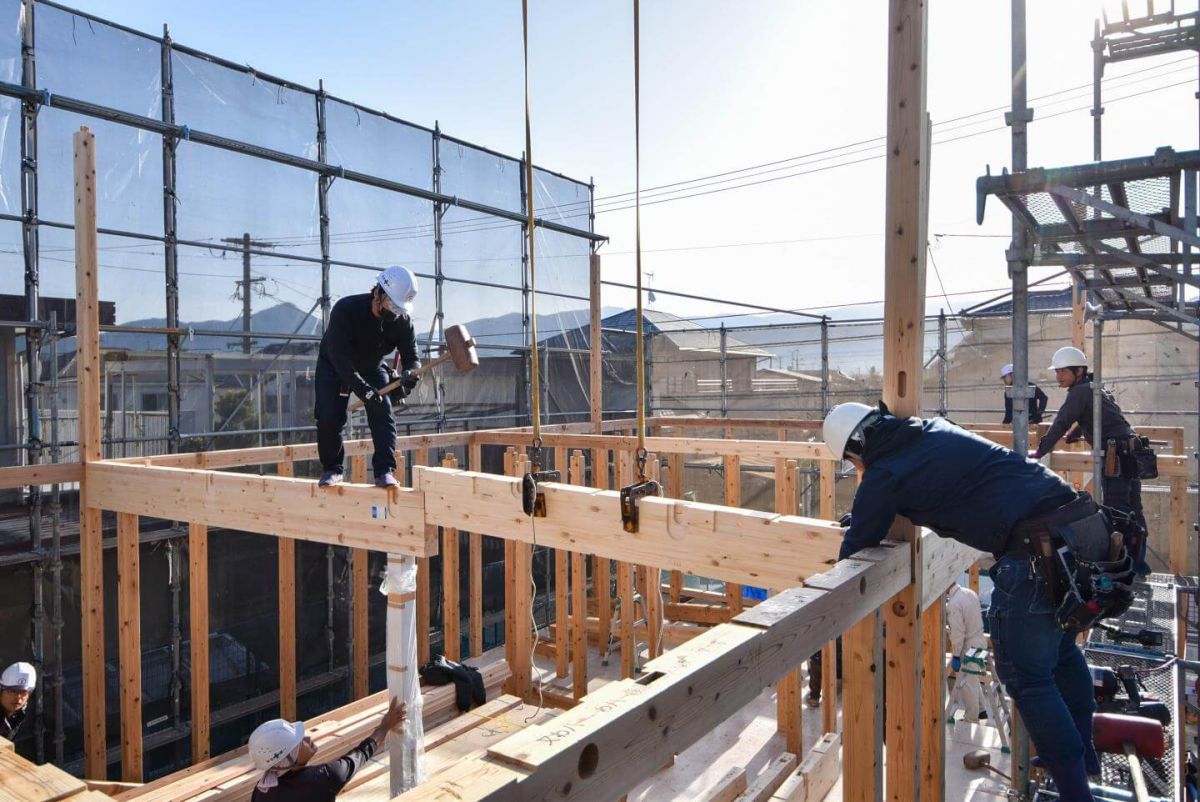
<point x="640" y="356"/>
<point x="535" y="379"/>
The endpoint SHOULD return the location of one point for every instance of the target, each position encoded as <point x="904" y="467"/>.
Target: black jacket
<point x="950" y="480"/>
<point x="1078" y="409"/>
<point x="356" y="341"/>
<point x="320" y="783"/>
<point x="10" y="724"/>
<point x="1037" y="405"/>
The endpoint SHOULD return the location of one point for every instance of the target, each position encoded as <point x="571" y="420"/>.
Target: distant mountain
<point x="282" y="318"/>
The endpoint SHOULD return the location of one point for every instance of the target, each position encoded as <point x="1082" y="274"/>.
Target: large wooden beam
<point x="745" y="449"/>
<point x="129" y="622"/>
<point x="198" y="634"/>
<point x="1170" y="466"/>
<point x="748" y="546"/>
<point x="91" y="535"/>
<point x="47" y="474"/>
<point x="347" y="515"/>
<point x="943" y="561"/>
<point x="627" y="730"/>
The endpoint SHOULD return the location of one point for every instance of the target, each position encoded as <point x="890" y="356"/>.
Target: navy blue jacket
<point x="949" y="480"/>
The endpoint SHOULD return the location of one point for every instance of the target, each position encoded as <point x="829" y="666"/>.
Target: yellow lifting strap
<point x="640" y="356"/>
<point x="535" y="379"/>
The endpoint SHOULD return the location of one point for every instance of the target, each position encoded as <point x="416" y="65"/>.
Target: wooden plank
<point x="1169" y="466"/>
<point x="346" y="515"/>
<point x="286" y="600"/>
<point x="596" y="345"/>
<point x="627" y="733"/>
<point x="579" y="616"/>
<point x="770" y="778"/>
<point x="746" y="449"/>
<point x="198" y="634"/>
<point x="672" y="634"/>
<point x="761" y="548"/>
<point x="733" y="498"/>
<point x="728" y="788"/>
<point x="451" y="600"/>
<point x="43" y="474"/>
<point x="818" y="773"/>
<point x="129" y="623"/>
<point x="862" y="711"/>
<point x="829" y="675"/>
<point x="25" y="782"/>
<point x="475" y="557"/>
<point x="359" y="606"/>
<point x="933" y="703"/>
<point x="699" y="613"/>
<point x="87" y="360"/>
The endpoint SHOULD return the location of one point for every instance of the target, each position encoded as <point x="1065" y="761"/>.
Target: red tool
<point x="1134" y="737"/>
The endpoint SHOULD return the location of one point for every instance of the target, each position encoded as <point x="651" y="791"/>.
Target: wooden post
<point x="653" y="590"/>
<point x="973" y="578"/>
<point x="625" y="581"/>
<point x="198" y="607"/>
<point x="1078" y="307"/>
<point x="602" y="566"/>
<point x="579" y="616"/>
<point x="675" y="489"/>
<point x="733" y="498"/>
<point x="287" y="618"/>
<point x="359" y="595"/>
<point x="789" y="693"/>
<point x="510" y="636"/>
<point x="933" y="703"/>
<point x="451" y="604"/>
<point x="523" y="625"/>
<point x="862" y="713"/>
<point x="475" y="557"/>
<point x="1178" y="537"/>
<point x="129" y="614"/>
<point x="596" y="345"/>
<point x="91" y="535"/>
<point x="829" y="658"/>
<point x="562" y="583"/>
<point x="421" y="457"/>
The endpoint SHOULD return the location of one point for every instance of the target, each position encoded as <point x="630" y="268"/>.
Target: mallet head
<point x="461" y="348"/>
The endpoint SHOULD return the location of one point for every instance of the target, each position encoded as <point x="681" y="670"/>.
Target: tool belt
<point x="1082" y="559"/>
<point x="1130" y="457"/>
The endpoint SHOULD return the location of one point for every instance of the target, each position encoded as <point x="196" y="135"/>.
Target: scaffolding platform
<point x="1125" y="230"/>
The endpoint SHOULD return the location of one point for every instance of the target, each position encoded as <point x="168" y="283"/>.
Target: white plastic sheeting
<point x="406" y="752"/>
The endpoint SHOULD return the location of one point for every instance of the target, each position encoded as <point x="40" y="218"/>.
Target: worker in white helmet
<point x="17" y="684"/>
<point x="1122" y="487"/>
<point x="362" y="330"/>
<point x="964" y="620"/>
<point x="1037" y="404"/>
<point x="976" y="492"/>
<point x="282" y="752"/>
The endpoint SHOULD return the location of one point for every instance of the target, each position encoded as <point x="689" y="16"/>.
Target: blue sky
<point x="724" y="85"/>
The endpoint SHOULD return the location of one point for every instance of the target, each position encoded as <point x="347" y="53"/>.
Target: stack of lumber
<point x="22" y="781"/>
<point x="231" y="777"/>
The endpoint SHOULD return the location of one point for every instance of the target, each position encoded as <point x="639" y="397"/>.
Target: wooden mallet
<point x="460" y="349"/>
<point x="982" y="759"/>
<point x="1132" y="736"/>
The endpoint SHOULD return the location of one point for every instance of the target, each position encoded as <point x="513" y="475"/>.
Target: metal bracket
<point x="629" y="502"/>
<point x="533" y="500"/>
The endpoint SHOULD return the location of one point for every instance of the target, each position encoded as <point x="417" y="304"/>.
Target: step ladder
<point x="614" y="630"/>
<point x="977" y="664"/>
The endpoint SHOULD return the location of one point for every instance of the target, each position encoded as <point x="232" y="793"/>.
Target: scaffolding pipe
<point x="439" y="209"/>
<point x="724" y="372"/>
<point x="942" y="363"/>
<point x="1097" y="409"/>
<point x="324" y="181"/>
<point x="170" y="250"/>
<point x="174" y="570"/>
<point x="824" y="365"/>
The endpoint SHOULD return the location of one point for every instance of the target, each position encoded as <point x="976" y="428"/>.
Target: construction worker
<point x="16" y="686"/>
<point x="282" y="752"/>
<point x="1122" y="489"/>
<point x="362" y="330"/>
<point x="964" y="619"/>
<point x="967" y="488"/>
<point x="1037" y="404"/>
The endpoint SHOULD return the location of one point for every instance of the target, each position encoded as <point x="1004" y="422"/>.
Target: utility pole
<point x="244" y="286"/>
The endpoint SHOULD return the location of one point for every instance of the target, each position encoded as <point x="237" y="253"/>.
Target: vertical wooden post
<point x="653" y="590"/>
<point x="421" y="457"/>
<point x="1178" y="536"/>
<point x="129" y="615"/>
<point x="973" y="578"/>
<point x="829" y="656"/>
<point x="602" y="566"/>
<point x="625" y="581"/>
<point x="475" y="557"/>
<point x="579" y="613"/>
<point x="596" y="345"/>
<point x="933" y="703"/>
<point x="287" y="618"/>
<point x="91" y="535"/>
<point x="789" y="705"/>
<point x="862" y="711"/>
<point x="451" y="603"/>
<point x="905" y="245"/>
<point x="359" y="595"/>
<point x="733" y="498"/>
<point x="523" y="632"/>
<point x="562" y="584"/>
<point x="675" y="489"/>
<point x="510" y="637"/>
<point x="198" y="607"/>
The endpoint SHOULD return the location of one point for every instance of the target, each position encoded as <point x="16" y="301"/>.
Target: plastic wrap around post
<point x="406" y="753"/>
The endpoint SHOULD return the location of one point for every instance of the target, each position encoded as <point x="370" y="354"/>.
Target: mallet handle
<point x="357" y="403"/>
<point x="1136" y="778"/>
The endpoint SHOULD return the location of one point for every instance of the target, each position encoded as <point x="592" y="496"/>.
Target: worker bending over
<point x="964" y="617"/>
<point x="969" y="489"/>
<point x="362" y="330"/>
<point x="1122" y="487"/>
<point x="16" y="686"/>
<point x="282" y="752"/>
<point x="1037" y="404"/>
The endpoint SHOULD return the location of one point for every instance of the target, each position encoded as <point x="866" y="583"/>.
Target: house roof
<point x="1039" y="301"/>
<point x="686" y="335"/>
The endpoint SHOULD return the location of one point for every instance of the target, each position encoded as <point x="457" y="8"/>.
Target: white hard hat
<point x="274" y="740"/>
<point x="841" y="423"/>
<point x="1007" y="370"/>
<point x="19" y="676"/>
<point x="1068" y="357"/>
<point x="400" y="285"/>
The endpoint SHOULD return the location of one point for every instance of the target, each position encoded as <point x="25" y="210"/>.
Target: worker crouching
<point x="1052" y="576"/>
<point x="362" y="330"/>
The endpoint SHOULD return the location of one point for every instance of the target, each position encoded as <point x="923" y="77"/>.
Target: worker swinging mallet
<point x="460" y="348"/>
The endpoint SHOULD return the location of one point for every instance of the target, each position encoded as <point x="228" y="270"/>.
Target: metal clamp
<point x="630" y="496"/>
<point x="533" y="500"/>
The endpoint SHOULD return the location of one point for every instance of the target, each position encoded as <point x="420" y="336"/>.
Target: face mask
<point x="386" y="311"/>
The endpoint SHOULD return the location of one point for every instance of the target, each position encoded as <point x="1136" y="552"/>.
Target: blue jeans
<point x="1041" y="667"/>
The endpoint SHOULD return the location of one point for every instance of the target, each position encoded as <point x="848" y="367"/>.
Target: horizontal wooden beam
<point x="746" y="449"/>
<point x="346" y="515"/>
<point x="736" y="545"/>
<point x="737" y="423"/>
<point x="627" y="730"/>
<point x="56" y="473"/>
<point x="943" y="561"/>
<point x="1168" y="466"/>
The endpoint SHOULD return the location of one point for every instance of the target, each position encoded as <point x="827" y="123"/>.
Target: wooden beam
<point x="943" y="561"/>
<point x="728" y="788"/>
<point x="359" y="605"/>
<point x="451" y="600"/>
<point x="746" y="449"/>
<point x="44" y="474"/>
<point x="770" y="778"/>
<point x="198" y="633"/>
<point x="733" y="498"/>
<point x="579" y="616"/>
<point x="675" y="489"/>
<point x="1169" y="466"/>
<point x="524" y="637"/>
<point x="862" y="710"/>
<point x="652" y="592"/>
<point x="562" y="586"/>
<point x="933" y="704"/>
<point x="129" y="622"/>
<point x="625" y="731"/>
<point x="87" y="359"/>
<point x="625" y="581"/>
<point x="829" y="653"/>
<point x="286" y="599"/>
<point x="601" y="566"/>
<point x="789" y="702"/>
<point x="475" y="559"/>
<point x="421" y="458"/>
<point x="759" y="548"/>
<point x="346" y="515"/>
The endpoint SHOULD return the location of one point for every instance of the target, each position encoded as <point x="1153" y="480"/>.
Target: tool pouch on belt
<point x="1145" y="461"/>
<point x="1089" y="574"/>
